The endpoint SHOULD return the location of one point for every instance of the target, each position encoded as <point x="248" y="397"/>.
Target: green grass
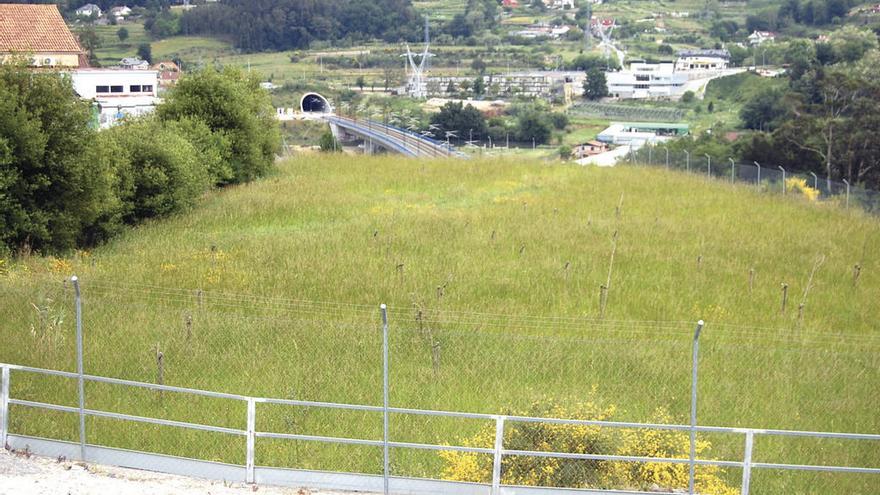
<point x="497" y="265"/>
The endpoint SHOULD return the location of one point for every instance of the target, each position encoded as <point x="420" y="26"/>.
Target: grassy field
<point x="492" y="270"/>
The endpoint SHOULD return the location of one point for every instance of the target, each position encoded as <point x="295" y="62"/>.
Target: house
<point x="589" y="148"/>
<point x="133" y="63"/>
<point x="168" y="71"/>
<point x="39" y="34"/>
<point x="89" y="10"/>
<point x="761" y="37"/>
<point x="117" y="93"/>
<point x="702" y="60"/>
<point x="122" y="11"/>
<point x="509" y="4"/>
<point x="647" y="81"/>
<point x="560" y="4"/>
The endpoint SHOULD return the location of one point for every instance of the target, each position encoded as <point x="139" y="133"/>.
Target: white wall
<point x="87" y="81"/>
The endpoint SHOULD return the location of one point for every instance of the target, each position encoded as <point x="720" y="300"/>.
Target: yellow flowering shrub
<point x="578" y="439"/>
<point x="795" y="184"/>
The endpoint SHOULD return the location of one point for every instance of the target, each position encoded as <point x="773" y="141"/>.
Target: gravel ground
<point x="23" y="474"/>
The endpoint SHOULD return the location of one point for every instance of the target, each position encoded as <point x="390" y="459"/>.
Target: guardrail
<point x="347" y="481"/>
<point x="398" y="140"/>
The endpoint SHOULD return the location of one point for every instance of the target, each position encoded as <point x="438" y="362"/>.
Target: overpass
<point x="375" y="135"/>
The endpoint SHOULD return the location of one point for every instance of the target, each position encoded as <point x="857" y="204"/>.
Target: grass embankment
<point x="224" y="294"/>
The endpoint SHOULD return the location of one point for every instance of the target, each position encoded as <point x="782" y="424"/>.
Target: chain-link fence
<point x="767" y="177"/>
<point x="310" y="357"/>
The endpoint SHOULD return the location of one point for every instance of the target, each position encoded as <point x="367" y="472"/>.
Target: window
<point x="147" y="88"/>
<point x="134" y="88"/>
<point x="117" y="89"/>
<point x="640" y="77"/>
<point x="102" y="89"/>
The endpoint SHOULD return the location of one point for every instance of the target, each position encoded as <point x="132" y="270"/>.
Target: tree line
<point x="257" y="25"/>
<point x="64" y="185"/>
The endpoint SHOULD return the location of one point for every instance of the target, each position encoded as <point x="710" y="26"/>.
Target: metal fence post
<point x="747" y="462"/>
<point x="693" y="455"/>
<point x="79" y="367"/>
<point x="4" y="407"/>
<point x="708" y="166"/>
<point x="815" y="181"/>
<point x="847" y="192"/>
<point x="496" y="463"/>
<point x="667" y="158"/>
<point x="759" y="172"/>
<point x="251" y="437"/>
<point x="732" y="170"/>
<point x="687" y="161"/>
<point x="783" y="179"/>
<point x="385" y="473"/>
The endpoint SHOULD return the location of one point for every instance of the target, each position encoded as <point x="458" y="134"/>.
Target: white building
<point x="702" y="61"/>
<point x="88" y="10"/>
<point x="761" y="37"/>
<point x="134" y="63"/>
<point x="646" y="81"/>
<point x="116" y="92"/>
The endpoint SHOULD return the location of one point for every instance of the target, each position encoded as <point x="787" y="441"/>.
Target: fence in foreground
<point x="377" y="445"/>
<point x="251" y="472"/>
<point x="768" y="177"/>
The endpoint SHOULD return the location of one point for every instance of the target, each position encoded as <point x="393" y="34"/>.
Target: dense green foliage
<point x="284" y="24"/>
<point x="63" y="185"/>
<point x="463" y="120"/>
<point x="235" y="109"/>
<point x="596" y="85"/>
<point x="51" y="187"/>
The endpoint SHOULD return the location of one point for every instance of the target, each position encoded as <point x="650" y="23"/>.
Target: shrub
<point x="796" y="184"/>
<point x="50" y="188"/>
<point x="581" y="439"/>
<point x="232" y="104"/>
<point x="159" y="169"/>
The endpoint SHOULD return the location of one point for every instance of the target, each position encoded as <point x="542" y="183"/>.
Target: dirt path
<point x="21" y="474"/>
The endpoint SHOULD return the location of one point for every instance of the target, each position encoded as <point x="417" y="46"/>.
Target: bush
<point x="160" y="171"/>
<point x="580" y="439"/>
<point x="51" y="188"/>
<point x="688" y="97"/>
<point x="232" y="104"/>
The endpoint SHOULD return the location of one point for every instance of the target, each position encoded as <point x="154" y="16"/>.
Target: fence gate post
<point x="496" y="463"/>
<point x="747" y="462"/>
<point x="4" y="407"/>
<point x="696" y="350"/>
<point x="251" y="438"/>
<point x="79" y="367"/>
<point x="385" y="473"/>
<point x="847" y="192"/>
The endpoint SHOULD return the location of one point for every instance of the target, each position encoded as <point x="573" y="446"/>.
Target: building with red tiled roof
<point x="38" y="33"/>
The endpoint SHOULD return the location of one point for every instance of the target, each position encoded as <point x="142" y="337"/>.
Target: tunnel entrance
<point x="315" y="103"/>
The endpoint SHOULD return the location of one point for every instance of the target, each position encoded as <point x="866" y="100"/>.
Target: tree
<point x="122" y="33"/>
<point x="596" y="86"/>
<point x="479" y="86"/>
<point x="54" y="184"/>
<point x="531" y="126"/>
<point x="478" y="65"/>
<point x="360" y="82"/>
<point x="763" y="111"/>
<point x="145" y="52"/>
<point x="90" y="40"/>
<point x="329" y="143"/>
<point x="462" y="120"/>
<point x="688" y="97"/>
<point x="564" y="152"/>
<point x="233" y="105"/>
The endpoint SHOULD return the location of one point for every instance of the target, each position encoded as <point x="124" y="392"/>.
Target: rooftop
<point x="704" y="53"/>
<point x="34" y="28"/>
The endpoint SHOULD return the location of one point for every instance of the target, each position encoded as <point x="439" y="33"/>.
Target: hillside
<point x="492" y="271"/>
